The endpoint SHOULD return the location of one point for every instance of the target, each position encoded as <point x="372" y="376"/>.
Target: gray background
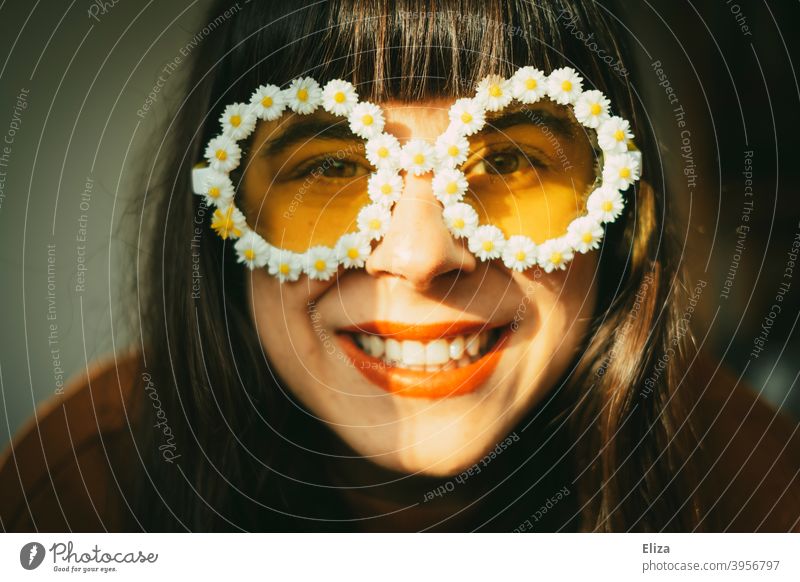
<point x="86" y="81"/>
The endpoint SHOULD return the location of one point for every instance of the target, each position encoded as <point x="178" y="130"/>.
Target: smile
<point x="425" y="361"/>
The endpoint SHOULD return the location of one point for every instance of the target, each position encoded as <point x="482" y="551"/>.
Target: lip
<point x="417" y="383"/>
<point x="412" y="331"/>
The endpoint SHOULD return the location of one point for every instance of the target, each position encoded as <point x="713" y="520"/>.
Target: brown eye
<point x="342" y="169"/>
<point x="502" y="163"/>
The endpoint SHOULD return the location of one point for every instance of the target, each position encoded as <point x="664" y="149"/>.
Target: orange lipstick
<point x="410" y="383"/>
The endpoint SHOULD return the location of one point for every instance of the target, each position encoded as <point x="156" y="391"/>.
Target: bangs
<point x="407" y="49"/>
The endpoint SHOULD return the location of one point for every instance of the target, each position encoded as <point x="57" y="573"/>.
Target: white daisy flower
<point x="285" y="265"/>
<point x="585" y="233"/>
<point x="238" y="121"/>
<point x="383" y="151"/>
<point x="487" y="242"/>
<point x="564" y="85"/>
<point x="554" y="254"/>
<point x="268" y="102"/>
<point x="223" y="154"/>
<point x="528" y="85"/>
<point x="451" y="149"/>
<point x="385" y="187"/>
<point x="494" y="92"/>
<point x="449" y="186"/>
<point x="339" y="97"/>
<point x="320" y="263"/>
<point x="467" y="116"/>
<point x="366" y="120"/>
<point x="352" y="250"/>
<point x="253" y="250"/>
<point x="417" y="157"/>
<point x="373" y="220"/>
<point x="461" y="219"/>
<point x="519" y="253"/>
<point x="217" y="189"/>
<point x="228" y="222"/>
<point x="613" y="135"/>
<point x="591" y="109"/>
<point x="605" y="204"/>
<point x="621" y="170"/>
<point x="303" y="95"/>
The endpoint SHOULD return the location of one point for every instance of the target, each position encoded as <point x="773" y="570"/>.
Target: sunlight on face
<point x="426" y="358"/>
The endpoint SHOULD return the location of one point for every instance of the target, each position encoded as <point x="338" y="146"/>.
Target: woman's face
<point x="425" y="359"/>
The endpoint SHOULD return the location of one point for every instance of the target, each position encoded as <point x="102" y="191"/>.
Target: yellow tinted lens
<point x="531" y="178"/>
<point x="307" y="193"/>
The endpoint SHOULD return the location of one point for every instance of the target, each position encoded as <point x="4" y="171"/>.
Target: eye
<point x="342" y="169"/>
<point x="333" y="168"/>
<point x="501" y="163"/>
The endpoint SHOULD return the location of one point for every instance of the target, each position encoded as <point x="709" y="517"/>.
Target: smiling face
<point x="426" y="358"/>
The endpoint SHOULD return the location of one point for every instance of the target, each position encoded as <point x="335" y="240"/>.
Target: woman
<point x="274" y="399"/>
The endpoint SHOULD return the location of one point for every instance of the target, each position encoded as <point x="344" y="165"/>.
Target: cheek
<point x="554" y="319"/>
<point x="289" y="323"/>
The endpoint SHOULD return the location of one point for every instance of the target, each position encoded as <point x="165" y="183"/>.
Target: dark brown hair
<point x="616" y="439"/>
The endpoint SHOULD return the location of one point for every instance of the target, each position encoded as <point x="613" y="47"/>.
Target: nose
<point x="418" y="247"/>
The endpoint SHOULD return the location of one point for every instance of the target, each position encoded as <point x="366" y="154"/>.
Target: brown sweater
<point x="69" y="468"/>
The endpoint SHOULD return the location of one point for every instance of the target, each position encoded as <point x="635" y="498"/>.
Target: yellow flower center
<point x="458" y="223"/>
<point x="266" y="101"/>
<point x="213" y="192"/>
<point x="556" y="257"/>
<point x="619" y="135"/>
<point x="221" y="155"/>
<point x="223" y="223"/>
<point x="375" y="224"/>
<point x="452" y="151"/>
<point x="451" y="188"/>
<point x="587" y="237"/>
<point x="566" y="85"/>
<point x="595" y="109"/>
<point x="383" y="152"/>
<point x="367" y="120"/>
<point x="487" y="245"/>
<point x="495" y="91"/>
<point x="302" y="95"/>
<point x="339" y="97"/>
<point x="531" y="84"/>
<point x="419" y="159"/>
<point x="625" y="173"/>
<point x="608" y="206"/>
<point x="466" y="117"/>
<point x="386" y="189"/>
<point x="352" y="253"/>
<point x="249" y="254"/>
<point x="319" y="265"/>
<point x="284" y="269"/>
<point x="236" y="120"/>
<point x="520" y="255"/>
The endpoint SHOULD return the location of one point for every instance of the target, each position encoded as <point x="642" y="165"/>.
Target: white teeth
<point x="394" y="351"/>
<point x="439" y="354"/>
<point x="413" y="353"/>
<point x="376" y="346"/>
<point x="473" y="344"/>
<point x="457" y="348"/>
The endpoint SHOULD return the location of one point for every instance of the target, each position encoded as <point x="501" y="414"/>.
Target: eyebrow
<point x="307" y="129"/>
<point x="317" y="128"/>
<point x="526" y="115"/>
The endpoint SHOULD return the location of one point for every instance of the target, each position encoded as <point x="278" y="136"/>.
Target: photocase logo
<point x="31" y="555"/>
